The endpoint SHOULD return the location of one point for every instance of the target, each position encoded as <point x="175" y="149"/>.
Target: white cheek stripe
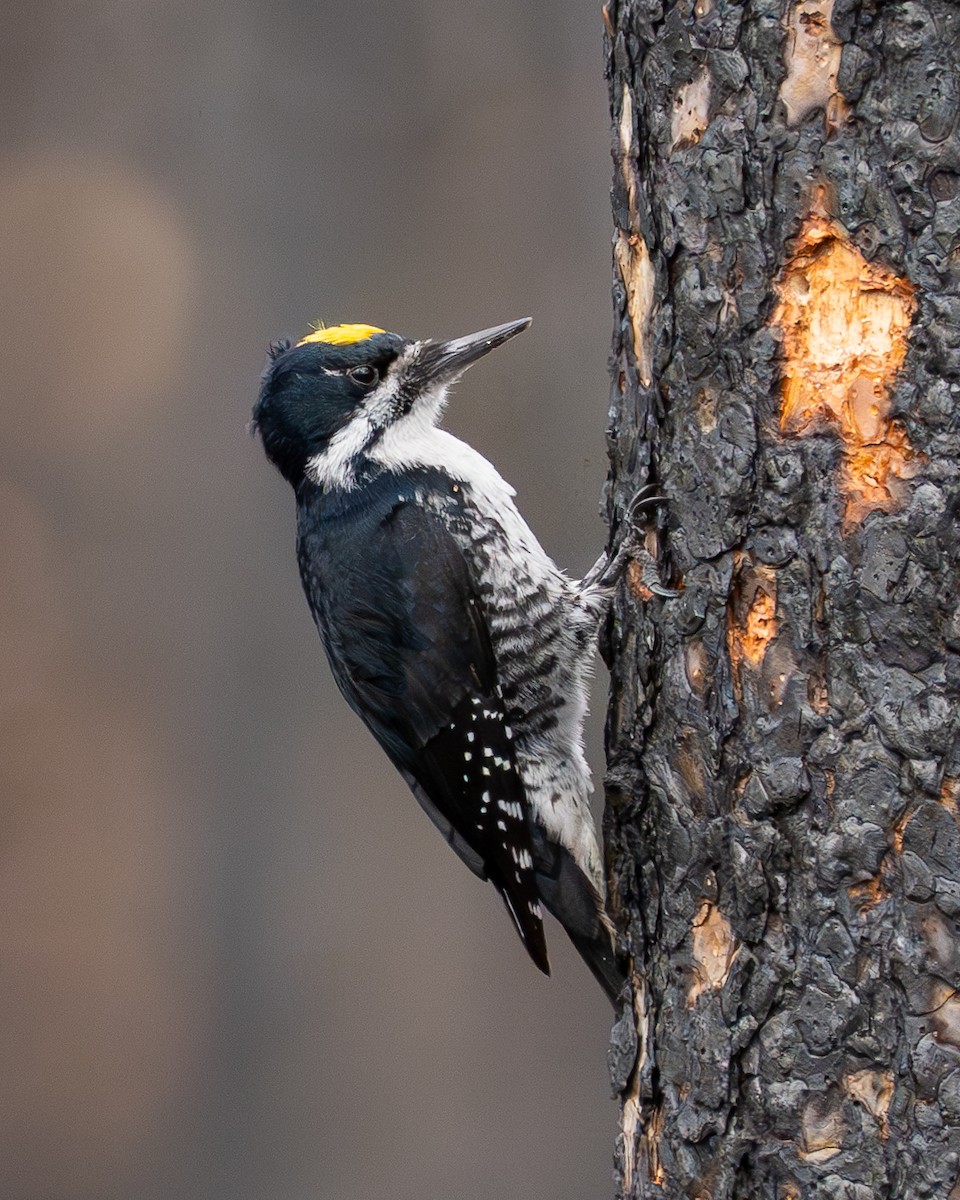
<point x="336" y="466"/>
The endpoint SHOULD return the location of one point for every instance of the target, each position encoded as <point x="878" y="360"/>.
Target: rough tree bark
<point x="784" y="738"/>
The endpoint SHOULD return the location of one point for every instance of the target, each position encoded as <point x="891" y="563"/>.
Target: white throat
<point x="406" y="443"/>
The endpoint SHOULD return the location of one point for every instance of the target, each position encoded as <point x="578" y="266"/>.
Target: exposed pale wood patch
<point x="629" y="1123"/>
<point x="696" y="662"/>
<point x="636" y="271"/>
<point x="873" y="1090"/>
<point x="652" y="1135"/>
<point x="714" y="951"/>
<point x="626" y="125"/>
<point x="823" y="1130"/>
<point x="844" y="323"/>
<point x="630" y="251"/>
<point x="945" y="1014"/>
<point x="691" y="111"/>
<point x="761" y="626"/>
<point x="752" y="619"/>
<point x="812" y="58"/>
<point x="631" y="1114"/>
<point x="706" y="409"/>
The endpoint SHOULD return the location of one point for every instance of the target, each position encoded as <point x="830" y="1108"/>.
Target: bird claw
<point x="650" y="577"/>
<point x="608" y="569"/>
<point x="644" y="500"/>
<point x="647" y="498"/>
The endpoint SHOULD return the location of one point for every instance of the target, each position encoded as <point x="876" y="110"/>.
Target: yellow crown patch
<point x="341" y="335"/>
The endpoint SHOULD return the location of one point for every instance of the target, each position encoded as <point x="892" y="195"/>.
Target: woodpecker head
<point x="327" y="401"/>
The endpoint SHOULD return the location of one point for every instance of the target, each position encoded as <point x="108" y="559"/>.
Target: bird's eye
<point x="366" y="376"/>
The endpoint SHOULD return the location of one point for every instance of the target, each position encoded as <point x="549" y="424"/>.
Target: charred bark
<point x="784" y="738"/>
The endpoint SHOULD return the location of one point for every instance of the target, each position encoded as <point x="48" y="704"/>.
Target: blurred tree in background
<point x="235" y="959"/>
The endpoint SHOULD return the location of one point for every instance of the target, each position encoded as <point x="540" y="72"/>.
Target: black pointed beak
<point x="443" y="362"/>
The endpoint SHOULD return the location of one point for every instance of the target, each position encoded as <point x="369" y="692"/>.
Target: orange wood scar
<point x="844" y="323"/>
<point x="752" y="623"/>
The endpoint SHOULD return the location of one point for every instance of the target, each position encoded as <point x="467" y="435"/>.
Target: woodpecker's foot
<point x="650" y="576"/>
<point x="609" y="567"/>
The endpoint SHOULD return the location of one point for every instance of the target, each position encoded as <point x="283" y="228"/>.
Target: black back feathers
<point x="407" y="639"/>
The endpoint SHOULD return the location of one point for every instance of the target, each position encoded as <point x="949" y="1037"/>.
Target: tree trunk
<point x="784" y="737"/>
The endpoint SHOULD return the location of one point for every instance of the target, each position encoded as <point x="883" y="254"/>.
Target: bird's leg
<point x="609" y="567"/>
<point x="650" y="575"/>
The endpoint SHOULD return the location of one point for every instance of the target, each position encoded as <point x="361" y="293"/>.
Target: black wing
<point x="406" y="634"/>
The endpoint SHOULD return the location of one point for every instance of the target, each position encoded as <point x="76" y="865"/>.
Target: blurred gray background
<point x="236" y="961"/>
